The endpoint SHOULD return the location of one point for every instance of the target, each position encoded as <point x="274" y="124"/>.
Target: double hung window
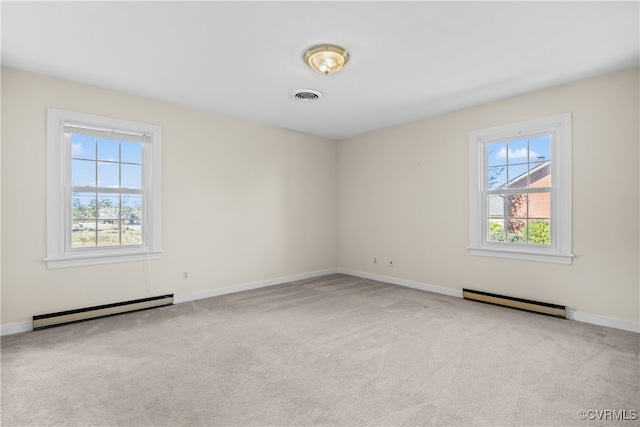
<point x="520" y="190"/>
<point x="103" y="190"/>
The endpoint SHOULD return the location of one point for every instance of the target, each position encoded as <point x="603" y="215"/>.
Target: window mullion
<point x="107" y="190"/>
<point x="519" y="190"/>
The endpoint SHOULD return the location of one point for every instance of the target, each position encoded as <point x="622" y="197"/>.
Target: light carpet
<point x="335" y="350"/>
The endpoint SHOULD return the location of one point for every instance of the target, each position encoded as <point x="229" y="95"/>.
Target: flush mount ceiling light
<point x="326" y="58"/>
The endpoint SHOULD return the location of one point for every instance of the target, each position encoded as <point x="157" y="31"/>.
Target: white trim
<point x="249" y="286"/>
<point x="609" y="322"/>
<point x="102" y="258"/>
<point x="16" y="328"/>
<point x="560" y="250"/>
<point x="401" y="282"/>
<point x="59" y="253"/>
<point x="522" y="255"/>
<point x="594" y="319"/>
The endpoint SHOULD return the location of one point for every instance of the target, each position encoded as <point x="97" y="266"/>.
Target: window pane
<point x="540" y="148"/>
<point x="540" y="205"/>
<point x="108" y="149"/>
<point x="108" y="206"/>
<point x="83" y="173"/>
<point x="497" y="177"/>
<point x="518" y="176"/>
<point x="540" y="231"/>
<point x="108" y="232"/>
<point x="496" y="206"/>
<point x="83" y="147"/>
<point x="132" y="208"/>
<point x="108" y="175"/>
<point x="497" y="154"/>
<point x="540" y="175"/>
<point x="496" y="231"/>
<point x="516" y="231"/>
<point x="518" y="151"/>
<point x="131" y="152"/>
<point x="83" y="205"/>
<point x="516" y="206"/>
<point x="131" y="176"/>
<point x="83" y="234"/>
<point x="131" y="233"/>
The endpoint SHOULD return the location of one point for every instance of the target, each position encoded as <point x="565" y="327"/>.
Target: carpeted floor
<point x="335" y="350"/>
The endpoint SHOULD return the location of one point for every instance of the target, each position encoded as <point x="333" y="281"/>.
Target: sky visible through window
<point x="109" y="154"/>
<point x="510" y="159"/>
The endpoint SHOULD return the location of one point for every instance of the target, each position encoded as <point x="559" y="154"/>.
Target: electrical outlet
<point x="185" y="275"/>
<point x="375" y="260"/>
<point x="390" y="263"/>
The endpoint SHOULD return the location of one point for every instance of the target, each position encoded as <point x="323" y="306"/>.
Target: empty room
<point x="320" y="213"/>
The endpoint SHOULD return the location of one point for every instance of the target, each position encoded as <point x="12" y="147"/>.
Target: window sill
<point x="523" y="255"/>
<point x="83" y="260"/>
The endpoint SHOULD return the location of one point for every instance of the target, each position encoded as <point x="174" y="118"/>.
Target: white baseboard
<point x="16" y="328"/>
<point x="609" y="322"/>
<point x="248" y="286"/>
<point x="594" y="319"/>
<point x="402" y="282"/>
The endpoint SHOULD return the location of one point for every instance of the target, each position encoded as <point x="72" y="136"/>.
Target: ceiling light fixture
<point x="326" y="58"/>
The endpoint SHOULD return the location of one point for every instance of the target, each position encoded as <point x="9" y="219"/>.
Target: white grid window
<point x="103" y="190"/>
<point x="520" y="190"/>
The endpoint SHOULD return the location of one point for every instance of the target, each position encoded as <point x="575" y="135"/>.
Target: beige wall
<point x="242" y="202"/>
<point x="402" y="195"/>
<point x="245" y="202"/>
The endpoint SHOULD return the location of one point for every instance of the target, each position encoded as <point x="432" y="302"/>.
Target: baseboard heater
<point x="72" y="316"/>
<point x="519" y="303"/>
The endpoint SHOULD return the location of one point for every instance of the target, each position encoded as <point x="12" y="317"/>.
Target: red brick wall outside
<point x="539" y="203"/>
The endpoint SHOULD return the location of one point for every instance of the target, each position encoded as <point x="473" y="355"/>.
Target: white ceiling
<point x="409" y="60"/>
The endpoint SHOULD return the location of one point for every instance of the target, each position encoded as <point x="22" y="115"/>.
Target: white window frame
<point x="559" y="251"/>
<point x="60" y="254"/>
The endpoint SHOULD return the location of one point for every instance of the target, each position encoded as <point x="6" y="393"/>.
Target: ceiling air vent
<point x="306" y="94"/>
